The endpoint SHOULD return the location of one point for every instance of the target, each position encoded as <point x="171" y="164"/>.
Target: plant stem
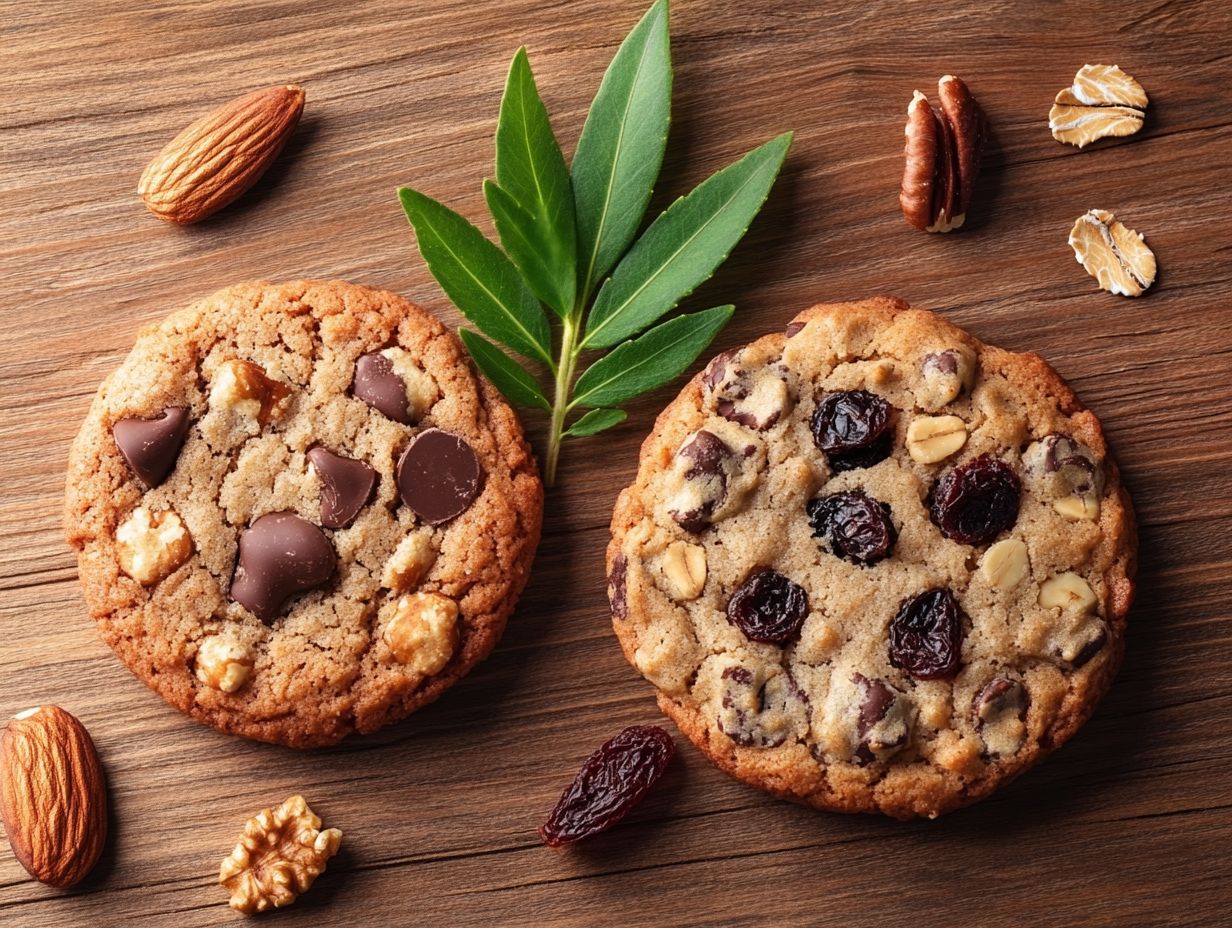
<point x="560" y="400"/>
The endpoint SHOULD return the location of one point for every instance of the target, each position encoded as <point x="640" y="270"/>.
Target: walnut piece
<point x="242" y="386"/>
<point x="223" y="663"/>
<point x="151" y="545"/>
<point x="423" y="633"/>
<point x="1103" y="101"/>
<point x="281" y="853"/>
<point x="1116" y="256"/>
<point x="421" y="390"/>
<point x="409" y="563"/>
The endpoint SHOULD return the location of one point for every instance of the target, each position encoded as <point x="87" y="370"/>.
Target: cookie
<point x="872" y="564"/>
<point x="299" y="512"/>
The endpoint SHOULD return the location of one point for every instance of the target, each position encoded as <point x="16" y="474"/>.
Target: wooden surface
<point x="1128" y="825"/>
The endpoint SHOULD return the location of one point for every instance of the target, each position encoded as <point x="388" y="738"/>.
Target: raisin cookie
<point x="299" y="511"/>
<point x="873" y="564"/>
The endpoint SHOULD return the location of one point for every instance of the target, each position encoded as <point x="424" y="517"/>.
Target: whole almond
<point x="221" y="155"/>
<point x="53" y="799"/>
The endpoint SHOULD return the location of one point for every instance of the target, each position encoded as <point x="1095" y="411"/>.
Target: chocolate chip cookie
<point x="299" y="511"/>
<point x="872" y="564"/>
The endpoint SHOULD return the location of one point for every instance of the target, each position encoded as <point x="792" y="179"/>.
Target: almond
<point x="53" y="800"/>
<point x="221" y="155"/>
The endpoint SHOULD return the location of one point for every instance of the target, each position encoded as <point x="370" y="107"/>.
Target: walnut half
<point x="282" y="852"/>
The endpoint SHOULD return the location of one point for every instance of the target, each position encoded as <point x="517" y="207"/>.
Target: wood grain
<point x="1128" y="825"/>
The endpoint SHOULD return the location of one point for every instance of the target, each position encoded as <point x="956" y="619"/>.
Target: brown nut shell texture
<point x="53" y="798"/>
<point x="1103" y="101"/>
<point x="942" y="152"/>
<point x="280" y="855"/>
<point x="221" y="155"/>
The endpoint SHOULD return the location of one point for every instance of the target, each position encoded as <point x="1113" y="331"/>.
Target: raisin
<point x="975" y="502"/>
<point x="926" y="636"/>
<point x="854" y="525"/>
<point x="611" y="782"/>
<point x="617" y="593"/>
<point x="853" y="429"/>
<point x="768" y="607"/>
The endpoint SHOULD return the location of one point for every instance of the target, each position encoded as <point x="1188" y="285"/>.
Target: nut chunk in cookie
<point x="872" y="564"/>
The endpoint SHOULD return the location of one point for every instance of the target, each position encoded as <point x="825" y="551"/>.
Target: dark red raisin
<point x="977" y="501"/>
<point x="853" y="428"/>
<point x="768" y="607"/>
<point x="611" y="782"/>
<point x="617" y="595"/>
<point x="926" y="636"/>
<point x="854" y="525"/>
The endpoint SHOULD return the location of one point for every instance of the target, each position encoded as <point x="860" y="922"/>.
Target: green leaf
<point x="683" y="246"/>
<point x="596" y="421"/>
<point x="651" y="360"/>
<point x="620" y="150"/>
<point x="510" y="377"/>
<point x="477" y="276"/>
<point x="531" y="174"/>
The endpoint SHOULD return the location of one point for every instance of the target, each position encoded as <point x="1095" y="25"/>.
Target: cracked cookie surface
<point x="248" y="542"/>
<point x="910" y="560"/>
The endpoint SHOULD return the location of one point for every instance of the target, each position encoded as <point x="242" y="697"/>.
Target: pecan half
<point x="942" y="155"/>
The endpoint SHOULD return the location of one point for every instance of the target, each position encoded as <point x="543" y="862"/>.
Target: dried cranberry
<point x="975" y="502"/>
<point x="856" y="526"/>
<point x="926" y="636"/>
<point x="768" y="607"/>
<point x="853" y="429"/>
<point x="611" y="782"/>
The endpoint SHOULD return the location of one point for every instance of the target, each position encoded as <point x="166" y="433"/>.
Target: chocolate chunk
<point x="150" y="446"/>
<point x="716" y="370"/>
<point x="884" y="721"/>
<point x="438" y="476"/>
<point x="945" y="362"/>
<point x="280" y="555"/>
<point x="346" y="486"/>
<point x="378" y="385"/>
<point x="792" y="329"/>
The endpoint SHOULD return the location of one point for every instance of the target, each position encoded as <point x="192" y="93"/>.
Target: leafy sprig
<point x="568" y="239"/>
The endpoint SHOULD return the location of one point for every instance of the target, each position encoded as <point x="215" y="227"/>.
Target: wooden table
<point x="1128" y="825"/>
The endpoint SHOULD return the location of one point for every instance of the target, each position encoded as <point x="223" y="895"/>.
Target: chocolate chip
<point x="716" y="370"/>
<point x="280" y="555"/>
<point x="707" y="456"/>
<point x="945" y="362"/>
<point x="877" y="701"/>
<point x="883" y="724"/>
<point x="793" y="329"/>
<point x="378" y="385"/>
<point x="438" y="476"/>
<point x="1090" y="649"/>
<point x="999" y="711"/>
<point x="150" y="446"/>
<point x="346" y="486"/>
